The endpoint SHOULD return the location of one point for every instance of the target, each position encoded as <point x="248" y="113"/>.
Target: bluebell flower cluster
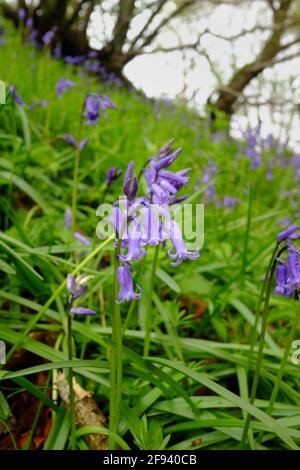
<point x="146" y="221"/>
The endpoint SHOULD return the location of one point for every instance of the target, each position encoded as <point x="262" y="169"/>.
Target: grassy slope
<point x="36" y="168"/>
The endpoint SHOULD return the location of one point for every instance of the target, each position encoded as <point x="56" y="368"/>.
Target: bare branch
<point x="166" y="20"/>
<point x="160" y="5"/>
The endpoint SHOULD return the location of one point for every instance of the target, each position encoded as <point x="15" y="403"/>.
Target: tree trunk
<point x="230" y="94"/>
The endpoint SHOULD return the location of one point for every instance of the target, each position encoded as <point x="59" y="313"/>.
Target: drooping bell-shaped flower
<point x="126" y="291"/>
<point x="181" y="252"/>
<point x="289" y="233"/>
<point x="293" y="269"/>
<point x="281" y="281"/>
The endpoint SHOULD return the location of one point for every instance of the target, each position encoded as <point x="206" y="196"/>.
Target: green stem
<point x="128" y="317"/>
<point x="246" y="241"/>
<point x="260" y="351"/>
<point x="75" y="175"/>
<point x="148" y="312"/>
<point x="116" y="359"/>
<point x="257" y="311"/>
<point x="70" y="380"/>
<point x="283" y="362"/>
<point x="75" y="184"/>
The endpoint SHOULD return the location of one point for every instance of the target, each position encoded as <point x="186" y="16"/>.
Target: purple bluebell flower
<point x="63" y="85"/>
<point x="93" y="68"/>
<point x="49" y="36"/>
<point x="92" y="109"/>
<point x="281" y="281"/>
<point x="29" y="23"/>
<point x="287" y="233"/>
<point x="95" y="103"/>
<point x="82" y="311"/>
<point x="75" y="60"/>
<point x="131" y="184"/>
<point x="132" y="249"/>
<point x="112" y="175"/>
<point x="82" y="239"/>
<point x="71" y="140"/>
<point x="126" y="291"/>
<point x="21" y="14"/>
<point x="57" y="52"/>
<point x="181" y="252"/>
<point x="68" y="218"/>
<point x="252" y="137"/>
<point x="269" y="173"/>
<point x="34" y="38"/>
<point x="293" y="268"/>
<point x="230" y="202"/>
<point x="77" y="287"/>
<point x="92" y="54"/>
<point x="17" y="99"/>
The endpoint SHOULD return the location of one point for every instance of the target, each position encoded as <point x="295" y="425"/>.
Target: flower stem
<point x="260" y="350"/>
<point x="116" y="359"/>
<point x="257" y="311"/>
<point x="148" y="312"/>
<point x="75" y="184"/>
<point x="75" y="176"/>
<point x="283" y="362"/>
<point x="70" y="380"/>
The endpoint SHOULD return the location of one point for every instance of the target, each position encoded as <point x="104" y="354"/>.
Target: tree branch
<point x="160" y="5"/>
<point x="177" y="11"/>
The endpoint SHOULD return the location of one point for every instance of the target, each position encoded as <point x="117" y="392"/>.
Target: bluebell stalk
<point x="140" y="222"/>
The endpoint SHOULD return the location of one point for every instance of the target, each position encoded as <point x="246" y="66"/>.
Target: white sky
<point x="170" y="75"/>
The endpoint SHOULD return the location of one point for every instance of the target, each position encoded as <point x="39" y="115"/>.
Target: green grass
<point x="193" y="389"/>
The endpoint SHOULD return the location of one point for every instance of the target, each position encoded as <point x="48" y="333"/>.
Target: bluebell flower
<point x="21" y="14"/>
<point x="77" y="287"/>
<point x="230" y="202"/>
<point x="94" y="104"/>
<point x="288" y="233"/>
<point x="130" y="186"/>
<point x="71" y="140"/>
<point x="63" y="85"/>
<point x="29" y="23"/>
<point x="293" y="268"/>
<point x="281" y="281"/>
<point x="112" y="175"/>
<point x="68" y="218"/>
<point x="126" y="291"/>
<point x="49" y="36"/>
<point x="181" y="252"/>
<point x="17" y="99"/>
<point x="75" y="60"/>
<point x="82" y="311"/>
<point x="82" y="239"/>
